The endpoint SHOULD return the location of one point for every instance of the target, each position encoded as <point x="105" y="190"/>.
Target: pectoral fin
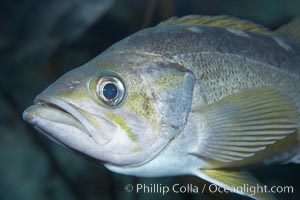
<point x="243" y="129"/>
<point x="241" y="183"/>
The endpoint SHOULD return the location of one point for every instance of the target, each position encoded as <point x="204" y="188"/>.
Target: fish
<point x="207" y="96"/>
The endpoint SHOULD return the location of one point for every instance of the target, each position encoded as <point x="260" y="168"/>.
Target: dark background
<point x="42" y="39"/>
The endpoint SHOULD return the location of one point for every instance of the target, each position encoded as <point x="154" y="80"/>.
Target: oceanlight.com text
<point x="212" y="188"/>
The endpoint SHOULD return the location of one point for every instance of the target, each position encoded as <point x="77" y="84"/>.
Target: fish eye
<point x="110" y="90"/>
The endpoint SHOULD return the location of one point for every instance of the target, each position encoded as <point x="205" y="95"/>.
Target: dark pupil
<point x="110" y="91"/>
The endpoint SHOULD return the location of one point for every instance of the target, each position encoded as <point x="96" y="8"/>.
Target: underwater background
<point x="42" y="39"/>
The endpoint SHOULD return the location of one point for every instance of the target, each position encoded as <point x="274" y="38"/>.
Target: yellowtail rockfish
<point x="197" y="95"/>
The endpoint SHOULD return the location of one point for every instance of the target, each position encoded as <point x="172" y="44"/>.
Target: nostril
<point x="72" y="84"/>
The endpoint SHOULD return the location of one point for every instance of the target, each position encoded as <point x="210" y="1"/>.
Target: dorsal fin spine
<point x="217" y="21"/>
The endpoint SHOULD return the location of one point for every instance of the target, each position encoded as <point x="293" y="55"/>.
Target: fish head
<point x="120" y="109"/>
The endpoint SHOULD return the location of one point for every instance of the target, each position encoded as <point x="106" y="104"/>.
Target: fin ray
<point x="217" y="21"/>
<point x="234" y="133"/>
<point x="235" y="181"/>
<point x="291" y="31"/>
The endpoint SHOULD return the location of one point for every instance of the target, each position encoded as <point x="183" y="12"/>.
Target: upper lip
<point x="71" y="110"/>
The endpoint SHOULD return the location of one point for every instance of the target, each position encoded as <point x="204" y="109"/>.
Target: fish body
<point x="206" y="96"/>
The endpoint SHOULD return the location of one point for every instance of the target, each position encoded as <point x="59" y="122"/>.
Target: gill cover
<point x="172" y="88"/>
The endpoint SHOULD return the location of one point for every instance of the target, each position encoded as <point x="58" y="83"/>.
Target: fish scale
<point x="205" y="96"/>
<point x="172" y="41"/>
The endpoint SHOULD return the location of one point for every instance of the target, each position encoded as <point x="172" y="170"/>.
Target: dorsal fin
<point x="291" y="31"/>
<point x="218" y="21"/>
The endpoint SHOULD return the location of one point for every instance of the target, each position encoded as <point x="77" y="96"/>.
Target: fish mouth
<point x="57" y="111"/>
